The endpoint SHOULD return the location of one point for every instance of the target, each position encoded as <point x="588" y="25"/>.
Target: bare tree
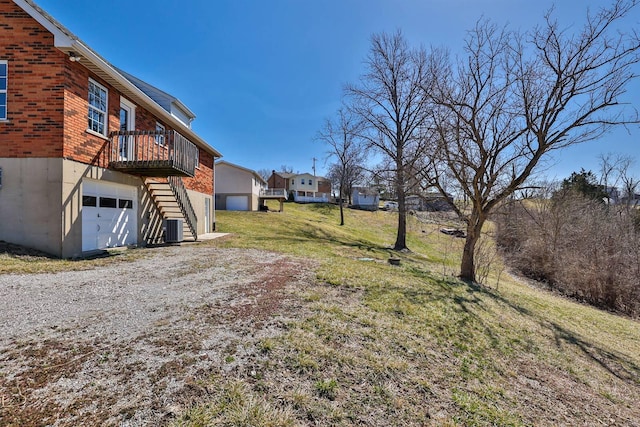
<point x="630" y="183"/>
<point x="342" y="135"/>
<point x="390" y="101"/>
<point x="514" y="98"/>
<point x="264" y="173"/>
<point x="286" y="169"/>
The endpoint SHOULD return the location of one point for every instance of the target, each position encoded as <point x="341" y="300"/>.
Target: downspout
<point x="213" y="193"/>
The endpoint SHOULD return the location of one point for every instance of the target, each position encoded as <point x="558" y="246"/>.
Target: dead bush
<point x="580" y="247"/>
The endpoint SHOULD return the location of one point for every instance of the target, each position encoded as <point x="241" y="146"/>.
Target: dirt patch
<point x="130" y="344"/>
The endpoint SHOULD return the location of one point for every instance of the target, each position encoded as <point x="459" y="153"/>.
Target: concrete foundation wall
<point x="198" y="203"/>
<point x="30" y="199"/>
<point x="41" y="204"/>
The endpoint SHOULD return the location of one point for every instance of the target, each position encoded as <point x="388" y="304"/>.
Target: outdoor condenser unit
<point x="174" y="231"/>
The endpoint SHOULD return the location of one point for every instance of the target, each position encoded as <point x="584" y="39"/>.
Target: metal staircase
<point x="172" y="200"/>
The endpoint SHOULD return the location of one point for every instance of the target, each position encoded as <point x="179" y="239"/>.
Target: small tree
<point x="392" y="104"/>
<point x="515" y="98"/>
<point x="585" y="184"/>
<point x="345" y="145"/>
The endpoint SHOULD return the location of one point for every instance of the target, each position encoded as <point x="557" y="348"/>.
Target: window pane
<point x="107" y="202"/>
<point x="3" y="70"/>
<point x="3" y="112"/>
<point x="89" y="201"/>
<point x="125" y="204"/>
<point x="97" y="108"/>
<point x="160" y="138"/>
<point x="3" y="83"/>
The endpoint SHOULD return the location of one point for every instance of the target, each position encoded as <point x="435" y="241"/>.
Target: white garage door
<point x="237" y="203"/>
<point x="108" y="215"/>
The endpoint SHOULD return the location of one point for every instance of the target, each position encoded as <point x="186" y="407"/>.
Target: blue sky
<point x="262" y="75"/>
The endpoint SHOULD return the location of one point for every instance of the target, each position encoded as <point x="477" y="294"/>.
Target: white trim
<point x="60" y="37"/>
<point x="5" y="91"/>
<point x="132" y="109"/>
<point x="105" y="112"/>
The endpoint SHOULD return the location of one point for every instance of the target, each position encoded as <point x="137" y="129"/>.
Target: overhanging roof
<point x="67" y="42"/>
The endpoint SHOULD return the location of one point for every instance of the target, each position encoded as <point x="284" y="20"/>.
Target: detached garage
<point x="109" y="215"/>
<point x="237" y="188"/>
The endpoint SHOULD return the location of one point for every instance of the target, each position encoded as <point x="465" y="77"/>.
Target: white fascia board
<point x="61" y="38"/>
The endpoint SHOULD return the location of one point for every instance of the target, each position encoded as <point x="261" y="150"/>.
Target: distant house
<point x="237" y="188"/>
<point x="302" y="187"/>
<point x="430" y="202"/>
<point x="365" y="198"/>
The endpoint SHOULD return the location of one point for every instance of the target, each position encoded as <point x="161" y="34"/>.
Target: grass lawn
<point x="372" y="344"/>
<point x="375" y="344"/>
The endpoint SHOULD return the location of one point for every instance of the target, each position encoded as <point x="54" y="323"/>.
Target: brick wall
<point x="203" y="181"/>
<point x="80" y="145"/>
<point x="324" y="186"/>
<point x="35" y="96"/>
<point x="276" y="181"/>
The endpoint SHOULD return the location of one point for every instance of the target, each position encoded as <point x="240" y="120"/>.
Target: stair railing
<point x="182" y="197"/>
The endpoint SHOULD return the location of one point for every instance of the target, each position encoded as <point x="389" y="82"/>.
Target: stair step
<point x="166" y="202"/>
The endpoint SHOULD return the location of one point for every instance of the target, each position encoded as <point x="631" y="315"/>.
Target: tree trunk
<point x="474" y="228"/>
<point x="341" y="207"/>
<point x="401" y="237"/>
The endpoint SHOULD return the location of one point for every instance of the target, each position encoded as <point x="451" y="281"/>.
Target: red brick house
<point x="90" y="156"/>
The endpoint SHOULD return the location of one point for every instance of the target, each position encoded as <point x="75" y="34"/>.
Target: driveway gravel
<point x="126" y="344"/>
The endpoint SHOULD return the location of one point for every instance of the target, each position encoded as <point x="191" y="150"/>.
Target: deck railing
<point x="143" y="152"/>
<point x="273" y="192"/>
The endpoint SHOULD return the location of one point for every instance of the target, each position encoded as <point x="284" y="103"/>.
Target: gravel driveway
<point x="126" y="344"/>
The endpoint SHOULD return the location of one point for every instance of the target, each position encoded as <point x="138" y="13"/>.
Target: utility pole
<point x="314" y="166"/>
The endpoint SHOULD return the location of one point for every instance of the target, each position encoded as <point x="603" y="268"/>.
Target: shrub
<point x="578" y="246"/>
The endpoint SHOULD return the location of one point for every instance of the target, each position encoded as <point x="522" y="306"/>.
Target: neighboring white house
<point x="365" y="198"/>
<point x="237" y="188"/>
<point x="305" y="188"/>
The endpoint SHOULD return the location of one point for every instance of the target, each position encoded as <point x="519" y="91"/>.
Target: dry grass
<point x="16" y="259"/>
<point x="411" y="345"/>
<point x="373" y="344"/>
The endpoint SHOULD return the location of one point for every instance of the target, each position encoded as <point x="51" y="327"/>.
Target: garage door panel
<point x="108" y="215"/>
<point x="237" y="203"/>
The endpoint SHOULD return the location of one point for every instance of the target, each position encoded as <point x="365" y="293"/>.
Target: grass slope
<point x="373" y="344"/>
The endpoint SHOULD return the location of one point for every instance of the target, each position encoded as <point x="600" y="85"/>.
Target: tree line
<point x="479" y="125"/>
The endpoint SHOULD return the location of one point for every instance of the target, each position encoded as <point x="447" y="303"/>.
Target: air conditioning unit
<point x="173" y="232"/>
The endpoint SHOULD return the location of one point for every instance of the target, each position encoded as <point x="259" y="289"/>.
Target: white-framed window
<point x="310" y="182"/>
<point x="160" y="138"/>
<point x="293" y="182"/>
<point x="302" y="181"/>
<point x="4" y="78"/>
<point x="98" y="95"/>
